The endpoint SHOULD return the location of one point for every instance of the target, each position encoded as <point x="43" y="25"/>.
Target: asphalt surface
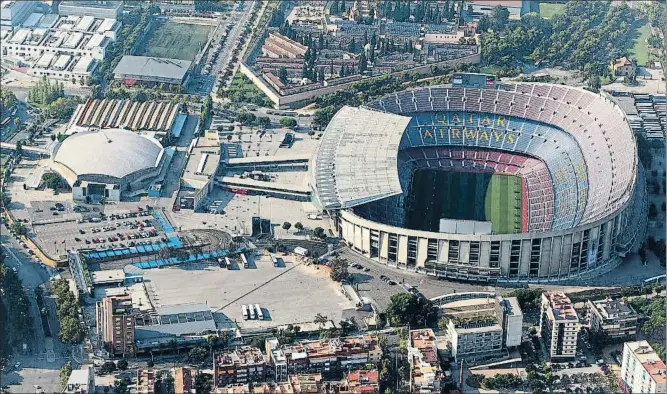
<point x="40" y="365"/>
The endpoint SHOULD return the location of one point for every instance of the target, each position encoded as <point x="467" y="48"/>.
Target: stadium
<point x="109" y="164"/>
<point x="483" y="181"/>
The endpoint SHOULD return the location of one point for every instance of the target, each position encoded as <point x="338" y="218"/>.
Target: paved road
<point x="380" y="291"/>
<point x="40" y="368"/>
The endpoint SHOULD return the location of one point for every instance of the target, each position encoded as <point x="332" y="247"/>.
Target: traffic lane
<point x="428" y="286"/>
<point x="31" y="273"/>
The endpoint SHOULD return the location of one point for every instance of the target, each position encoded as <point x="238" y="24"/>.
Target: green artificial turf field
<point x="175" y="40"/>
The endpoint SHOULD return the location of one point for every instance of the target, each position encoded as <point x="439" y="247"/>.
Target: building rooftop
<point x="243" y="355"/>
<point x="560" y="306"/>
<point x="113" y="152"/>
<point x="613" y="308"/>
<point x="654" y="366"/>
<point x="356" y="161"/>
<point x="144" y="66"/>
<point x="422" y="339"/>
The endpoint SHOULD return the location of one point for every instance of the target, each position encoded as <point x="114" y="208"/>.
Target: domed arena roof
<point x="110" y="152"/>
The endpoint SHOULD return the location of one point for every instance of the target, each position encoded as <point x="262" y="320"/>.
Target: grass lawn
<point x="465" y="196"/>
<point x="640" y="48"/>
<point x="241" y="89"/>
<point x="175" y="40"/>
<point x="548" y="10"/>
<point x="489" y="69"/>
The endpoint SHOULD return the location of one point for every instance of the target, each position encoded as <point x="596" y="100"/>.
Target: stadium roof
<point x="112" y="152"/>
<point x="144" y="66"/>
<point x="356" y="161"/>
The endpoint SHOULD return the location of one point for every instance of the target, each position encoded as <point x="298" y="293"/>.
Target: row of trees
<point x="45" y="92"/>
<point x="67" y="309"/>
<point x="7" y="100"/>
<point x="17" y="328"/>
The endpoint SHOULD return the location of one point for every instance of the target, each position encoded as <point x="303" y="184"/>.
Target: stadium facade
<point x="108" y="164"/>
<point x="578" y="207"/>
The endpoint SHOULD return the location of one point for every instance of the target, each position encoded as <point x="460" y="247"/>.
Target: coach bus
<point x="251" y="312"/>
<point x="260" y="315"/>
<point x="245" y="311"/>
<point x="245" y="260"/>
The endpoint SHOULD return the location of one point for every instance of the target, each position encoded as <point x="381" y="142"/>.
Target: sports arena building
<point x="485" y="181"/>
<point x="108" y="164"/>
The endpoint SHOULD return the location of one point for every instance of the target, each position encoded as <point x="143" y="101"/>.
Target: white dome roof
<point x="111" y="152"/>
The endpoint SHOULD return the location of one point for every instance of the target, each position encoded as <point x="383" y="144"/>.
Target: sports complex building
<point x="108" y="164"/>
<point x="485" y="181"/>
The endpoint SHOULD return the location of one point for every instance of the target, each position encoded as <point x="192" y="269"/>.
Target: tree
<point x="203" y="382"/>
<point x="122" y="364"/>
<point x="198" y="355"/>
<point x="19" y="147"/>
<point x="652" y="211"/>
<point x="53" y="180"/>
<point x="499" y="17"/>
<point x="18" y="228"/>
<point x="287" y="226"/>
<point x="65" y="372"/>
<point x="321" y="320"/>
<point x="339" y="270"/>
<point x="298" y="226"/>
<point x="319" y="233"/>
<point x="288" y="122"/>
<point x="107" y="368"/>
<point x="282" y="75"/>
<point x="363" y="63"/>
<point x="263" y="121"/>
<point x="6" y="199"/>
<point x="408" y="308"/>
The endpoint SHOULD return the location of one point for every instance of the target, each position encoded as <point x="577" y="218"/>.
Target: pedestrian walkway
<point x="158" y="263"/>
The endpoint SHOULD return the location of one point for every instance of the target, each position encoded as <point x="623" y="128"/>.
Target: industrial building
<point x="108" y="164"/>
<point x="13" y="13"/>
<point x="481" y="325"/>
<point x="559" y="326"/>
<point x="59" y="47"/>
<point x="162" y="118"/>
<point x="95" y="8"/>
<point x="203" y="160"/>
<point x="614" y="319"/>
<point x="151" y="71"/>
<point x="642" y="370"/>
<point x="187" y="325"/>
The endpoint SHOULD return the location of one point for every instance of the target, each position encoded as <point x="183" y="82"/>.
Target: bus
<point x="251" y="311"/>
<point x="245" y="260"/>
<point x="245" y="312"/>
<point x="260" y="315"/>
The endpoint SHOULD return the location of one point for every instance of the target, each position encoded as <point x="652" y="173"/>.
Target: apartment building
<point x="241" y="365"/>
<point x="278" y="46"/>
<point x="306" y="383"/>
<point x="116" y="324"/>
<point x="146" y="380"/>
<point x="613" y="318"/>
<point x="275" y="357"/>
<point x="426" y="376"/>
<point x="482" y="325"/>
<point x="344" y="353"/>
<point x="363" y="381"/>
<point x="559" y="326"/>
<point x="184" y="380"/>
<point x="642" y="370"/>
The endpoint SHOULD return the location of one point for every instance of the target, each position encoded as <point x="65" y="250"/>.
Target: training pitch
<point x="175" y="40"/>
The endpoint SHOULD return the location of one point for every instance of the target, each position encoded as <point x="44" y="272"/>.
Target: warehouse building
<point x="95" y="8"/>
<point x="151" y="71"/>
<point x="13" y="13"/>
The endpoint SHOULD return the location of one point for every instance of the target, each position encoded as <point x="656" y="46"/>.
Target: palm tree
<point x="320" y="320"/>
<point x="212" y="341"/>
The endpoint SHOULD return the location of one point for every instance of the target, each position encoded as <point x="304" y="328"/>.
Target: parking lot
<point x="292" y="294"/>
<point x="81" y="227"/>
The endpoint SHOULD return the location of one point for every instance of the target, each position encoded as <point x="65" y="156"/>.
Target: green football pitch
<point x="173" y="40"/>
<point x="477" y="196"/>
